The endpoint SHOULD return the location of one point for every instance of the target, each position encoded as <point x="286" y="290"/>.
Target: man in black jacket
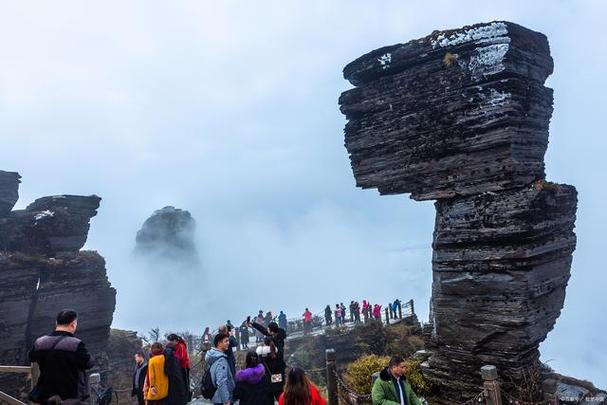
<point x="63" y="361"/>
<point x="141" y="369"/>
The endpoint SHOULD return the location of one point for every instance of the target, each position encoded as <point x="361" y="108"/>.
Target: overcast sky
<point x="229" y="110"/>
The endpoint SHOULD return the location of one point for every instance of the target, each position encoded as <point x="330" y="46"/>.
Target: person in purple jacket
<point x="253" y="384"/>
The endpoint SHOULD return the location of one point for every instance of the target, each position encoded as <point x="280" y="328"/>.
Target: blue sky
<point x="229" y="109"/>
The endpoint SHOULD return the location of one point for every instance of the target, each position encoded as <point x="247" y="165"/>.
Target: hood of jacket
<point x="252" y="375"/>
<point x="213" y="355"/>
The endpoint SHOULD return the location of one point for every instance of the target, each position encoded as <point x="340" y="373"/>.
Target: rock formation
<point x="42" y="271"/>
<point x="461" y="116"/>
<point x="9" y="191"/>
<point x="122" y="345"/>
<point x="168" y="234"/>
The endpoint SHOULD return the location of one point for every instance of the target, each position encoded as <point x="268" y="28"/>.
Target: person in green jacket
<point x="392" y="387"/>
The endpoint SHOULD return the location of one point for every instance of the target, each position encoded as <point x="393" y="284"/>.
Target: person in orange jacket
<point x="156" y="387"/>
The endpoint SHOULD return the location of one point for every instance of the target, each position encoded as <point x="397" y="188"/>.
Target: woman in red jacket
<point x="299" y="390"/>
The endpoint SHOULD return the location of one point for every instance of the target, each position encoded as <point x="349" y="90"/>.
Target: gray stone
<point x="424" y="122"/>
<point x="9" y="191"/>
<point x="461" y="116"/>
<point x="43" y="271"/>
<point x="49" y="225"/>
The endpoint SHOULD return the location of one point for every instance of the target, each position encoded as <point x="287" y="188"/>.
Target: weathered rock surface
<point x="168" y="234"/>
<point x="122" y="345"/>
<point x="461" y="116"/>
<point x="43" y="271"/>
<point x="49" y="225"/>
<point x="9" y="191"/>
<point x="455" y="113"/>
<point x="501" y="264"/>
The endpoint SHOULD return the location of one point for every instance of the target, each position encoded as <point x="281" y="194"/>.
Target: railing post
<point x="549" y="389"/>
<point x="412" y="306"/>
<point x="94" y="382"/>
<point x="35" y="374"/>
<point x="387" y="311"/>
<point x="491" y="386"/>
<point x="400" y="311"/>
<point x="331" y="376"/>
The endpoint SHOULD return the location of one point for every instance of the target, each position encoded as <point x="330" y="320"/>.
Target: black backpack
<point x="207" y="388"/>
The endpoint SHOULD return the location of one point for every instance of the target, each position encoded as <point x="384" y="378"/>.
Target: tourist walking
<point x="282" y="320"/>
<point x="252" y="383"/>
<point x="392" y="386"/>
<point x="207" y="339"/>
<point x="307" y="321"/>
<point x="175" y="363"/>
<point x="274" y="361"/>
<point x="244" y="333"/>
<point x="338" y="317"/>
<point x="328" y="317"/>
<point x="396" y="308"/>
<point x="366" y="310"/>
<point x="377" y="311"/>
<point x="226" y="330"/>
<point x="63" y="361"/>
<point x="299" y="390"/>
<point x="139" y="375"/>
<point x="261" y="321"/>
<point x="221" y="376"/>
<point x="356" y="312"/>
<point x="156" y="385"/>
<point x="268" y="318"/>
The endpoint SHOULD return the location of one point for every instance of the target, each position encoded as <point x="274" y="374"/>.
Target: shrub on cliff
<point x="358" y="373"/>
<point x="403" y="340"/>
<point x="418" y="382"/>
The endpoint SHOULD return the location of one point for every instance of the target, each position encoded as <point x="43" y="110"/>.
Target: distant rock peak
<point x="168" y="234"/>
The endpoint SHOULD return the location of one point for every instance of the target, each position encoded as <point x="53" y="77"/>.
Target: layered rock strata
<point x="455" y="113"/>
<point x="9" y="191"/>
<point x="461" y="116"/>
<point x="42" y="271"/>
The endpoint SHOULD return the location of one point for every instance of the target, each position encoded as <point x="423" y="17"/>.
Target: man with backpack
<point x="63" y="361"/>
<point x="218" y="383"/>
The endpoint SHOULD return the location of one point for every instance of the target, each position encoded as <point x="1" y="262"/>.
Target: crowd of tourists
<point x="164" y="378"/>
<point x="357" y="312"/>
<point x="356" y="309"/>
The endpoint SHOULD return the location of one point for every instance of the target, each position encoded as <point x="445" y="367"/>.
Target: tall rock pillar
<point x="461" y="117"/>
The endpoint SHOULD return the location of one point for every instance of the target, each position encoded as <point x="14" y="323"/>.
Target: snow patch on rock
<point x="43" y="214"/>
<point x="488" y="60"/>
<point x="385" y="60"/>
<point x="480" y="35"/>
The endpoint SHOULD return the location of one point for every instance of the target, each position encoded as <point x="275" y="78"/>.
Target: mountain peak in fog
<point x="168" y="234"/>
